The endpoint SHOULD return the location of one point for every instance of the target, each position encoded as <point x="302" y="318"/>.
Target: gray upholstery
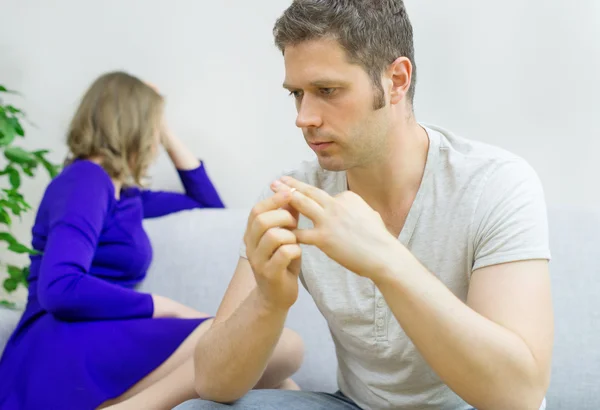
<point x="196" y="253"/>
<point x="575" y="270"/>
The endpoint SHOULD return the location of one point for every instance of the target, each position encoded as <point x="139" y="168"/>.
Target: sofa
<point x="195" y="254"/>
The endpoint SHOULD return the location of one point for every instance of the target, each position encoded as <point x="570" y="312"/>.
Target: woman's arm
<point x="199" y="189"/>
<point x="180" y="155"/>
<point x="76" y="218"/>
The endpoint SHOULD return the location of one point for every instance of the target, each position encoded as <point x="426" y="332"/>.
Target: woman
<point x="87" y="338"/>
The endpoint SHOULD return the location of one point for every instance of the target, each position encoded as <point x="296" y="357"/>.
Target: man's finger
<point x="273" y="239"/>
<point x="283" y="257"/>
<point x="278" y="186"/>
<point x="318" y="195"/>
<point x="278" y="218"/>
<point x="307" y="207"/>
<point x="271" y="203"/>
<point x="307" y="236"/>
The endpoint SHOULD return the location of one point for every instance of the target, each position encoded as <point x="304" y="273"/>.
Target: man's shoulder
<point x="310" y="172"/>
<point x="471" y="150"/>
<point x="467" y="157"/>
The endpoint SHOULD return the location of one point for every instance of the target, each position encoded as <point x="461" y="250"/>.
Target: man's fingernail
<point x="277" y="184"/>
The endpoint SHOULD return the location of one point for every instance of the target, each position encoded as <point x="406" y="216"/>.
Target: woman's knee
<point x="292" y="349"/>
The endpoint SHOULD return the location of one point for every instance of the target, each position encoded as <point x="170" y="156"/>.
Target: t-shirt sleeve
<point x="81" y="202"/>
<point x="510" y="222"/>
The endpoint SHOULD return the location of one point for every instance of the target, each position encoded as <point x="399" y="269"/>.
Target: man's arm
<point x="232" y="356"/>
<point x="494" y="351"/>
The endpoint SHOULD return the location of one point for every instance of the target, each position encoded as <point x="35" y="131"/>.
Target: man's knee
<point x="254" y="400"/>
<point x="198" y="404"/>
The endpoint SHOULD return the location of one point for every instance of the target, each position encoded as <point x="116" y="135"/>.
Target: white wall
<point x="524" y="75"/>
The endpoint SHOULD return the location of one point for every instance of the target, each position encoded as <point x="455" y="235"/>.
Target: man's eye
<point x="326" y="91"/>
<point x="296" y="94"/>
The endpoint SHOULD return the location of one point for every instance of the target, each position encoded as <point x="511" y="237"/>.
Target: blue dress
<point x="86" y="335"/>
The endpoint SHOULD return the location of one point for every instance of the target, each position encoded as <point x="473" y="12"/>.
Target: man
<point x="427" y="253"/>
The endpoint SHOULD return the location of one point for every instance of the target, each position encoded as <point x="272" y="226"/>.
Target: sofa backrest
<point x="575" y="272"/>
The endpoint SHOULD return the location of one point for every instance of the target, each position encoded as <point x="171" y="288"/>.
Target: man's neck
<point x="391" y="183"/>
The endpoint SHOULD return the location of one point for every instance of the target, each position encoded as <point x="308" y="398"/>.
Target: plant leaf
<point x="20" y="248"/>
<point x="7" y="131"/>
<point x="14" y="272"/>
<point x="28" y="170"/>
<point x="5" y="217"/>
<point x="19" y="155"/>
<point x="19" y="275"/>
<point x="12" y="205"/>
<point x="16" y="125"/>
<point x="14" y="177"/>
<point x="14" y="245"/>
<point x="7" y="237"/>
<point x="15" y="199"/>
<point x="25" y="275"/>
<point x="13" y="110"/>
<point x="51" y="168"/>
<point x="3" y="89"/>
<point x="6" y="138"/>
<point x="7" y="304"/>
<point x="10" y="285"/>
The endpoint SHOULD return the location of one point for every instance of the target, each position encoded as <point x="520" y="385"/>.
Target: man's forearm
<point x="486" y="364"/>
<point x="232" y="356"/>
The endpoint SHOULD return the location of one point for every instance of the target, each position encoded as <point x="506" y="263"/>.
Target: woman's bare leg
<point x="285" y="361"/>
<point x="179" y="356"/>
<point x="166" y="393"/>
<point x="178" y="386"/>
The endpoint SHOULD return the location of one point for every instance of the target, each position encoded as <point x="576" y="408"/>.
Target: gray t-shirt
<point x="477" y="206"/>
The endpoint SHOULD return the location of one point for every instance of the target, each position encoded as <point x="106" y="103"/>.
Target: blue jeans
<point x="278" y="400"/>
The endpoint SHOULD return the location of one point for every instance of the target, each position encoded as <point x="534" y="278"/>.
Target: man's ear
<point x="399" y="75"/>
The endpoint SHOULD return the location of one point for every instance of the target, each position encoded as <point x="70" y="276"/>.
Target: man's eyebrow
<point x="324" y="83"/>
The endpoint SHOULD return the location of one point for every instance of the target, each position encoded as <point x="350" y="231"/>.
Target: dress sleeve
<point x="82" y="201"/>
<point x="199" y="193"/>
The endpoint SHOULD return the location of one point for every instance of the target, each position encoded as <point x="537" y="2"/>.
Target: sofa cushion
<point x="8" y="322"/>
<point x="575" y="272"/>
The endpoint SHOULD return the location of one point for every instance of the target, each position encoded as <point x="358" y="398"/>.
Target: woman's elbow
<point x="50" y="302"/>
<point x="54" y="302"/>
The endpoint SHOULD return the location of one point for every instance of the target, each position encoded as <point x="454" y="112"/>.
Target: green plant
<point x="12" y="203"/>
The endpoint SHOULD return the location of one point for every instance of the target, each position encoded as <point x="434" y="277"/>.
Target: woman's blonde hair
<point x="117" y="120"/>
